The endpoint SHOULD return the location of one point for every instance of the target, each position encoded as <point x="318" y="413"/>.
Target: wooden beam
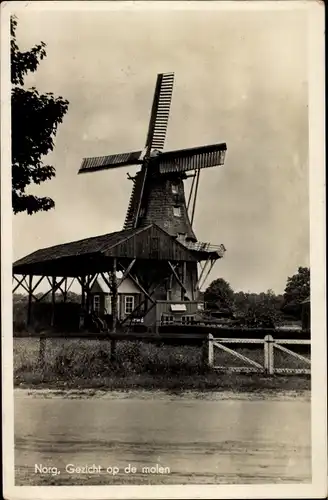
<point x="126" y="273"/>
<point x="68" y="288"/>
<point x="53" y="301"/>
<point x="108" y="283"/>
<point x="114" y="295"/>
<point x="144" y="300"/>
<point x="208" y="272"/>
<point x="88" y="287"/>
<point x="202" y="272"/>
<point x="191" y="191"/>
<point x="49" y="291"/>
<point x="27" y="290"/>
<point x="29" y="306"/>
<point x="65" y="290"/>
<point x="82" y="291"/>
<point x="37" y="284"/>
<point x="176" y="276"/>
<point x="184" y="276"/>
<point x="93" y="280"/>
<point x="114" y="309"/>
<point x="195" y="197"/>
<point x="138" y="285"/>
<point x="19" y="282"/>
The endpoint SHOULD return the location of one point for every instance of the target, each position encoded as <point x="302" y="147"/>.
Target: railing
<point x="269" y="345"/>
<point x="199" y="246"/>
<point x="266" y="363"/>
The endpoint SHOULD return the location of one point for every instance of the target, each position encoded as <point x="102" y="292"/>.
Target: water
<point x="198" y="441"/>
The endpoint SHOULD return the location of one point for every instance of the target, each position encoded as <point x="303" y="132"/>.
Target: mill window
<point x="96" y="303"/>
<point x="187" y="320"/>
<point x="177" y="211"/>
<point x="167" y="319"/>
<point x="154" y="248"/>
<point x="175" y="189"/>
<point x="128" y="304"/>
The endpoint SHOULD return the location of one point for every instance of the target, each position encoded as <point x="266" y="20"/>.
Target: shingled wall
<point x="159" y="208"/>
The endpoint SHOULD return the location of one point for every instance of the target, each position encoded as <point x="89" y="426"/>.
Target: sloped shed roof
<point x="96" y="253"/>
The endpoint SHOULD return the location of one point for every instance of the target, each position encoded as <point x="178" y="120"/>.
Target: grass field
<point x="86" y="363"/>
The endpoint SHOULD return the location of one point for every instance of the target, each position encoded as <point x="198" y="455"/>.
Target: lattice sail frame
<point x="152" y="159"/>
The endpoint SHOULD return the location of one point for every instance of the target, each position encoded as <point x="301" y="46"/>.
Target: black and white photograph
<point x="163" y="254"/>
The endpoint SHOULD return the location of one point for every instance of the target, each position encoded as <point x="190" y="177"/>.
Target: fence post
<point x="268" y="355"/>
<point x="42" y="350"/>
<point x="208" y="351"/>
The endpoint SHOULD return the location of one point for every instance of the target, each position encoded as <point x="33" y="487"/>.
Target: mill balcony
<point x="201" y="247"/>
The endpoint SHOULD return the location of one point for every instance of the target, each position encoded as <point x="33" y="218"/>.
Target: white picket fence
<point x="269" y="346"/>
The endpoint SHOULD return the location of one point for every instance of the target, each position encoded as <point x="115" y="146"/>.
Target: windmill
<point x="158" y="194"/>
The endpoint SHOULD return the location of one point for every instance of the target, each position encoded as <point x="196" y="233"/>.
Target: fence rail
<point x="209" y="345"/>
<point x="269" y="346"/>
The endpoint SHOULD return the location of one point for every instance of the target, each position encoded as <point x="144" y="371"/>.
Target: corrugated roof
<point x="96" y="244"/>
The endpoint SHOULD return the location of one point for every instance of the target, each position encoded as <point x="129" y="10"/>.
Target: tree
<point x="297" y="287"/>
<point x="262" y="310"/>
<point x="219" y="295"/>
<point x="35" y="118"/>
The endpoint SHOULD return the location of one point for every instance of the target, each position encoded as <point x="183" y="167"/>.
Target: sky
<point x="240" y="78"/>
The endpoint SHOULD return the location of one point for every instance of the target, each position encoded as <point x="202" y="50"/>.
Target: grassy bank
<point x="86" y="364"/>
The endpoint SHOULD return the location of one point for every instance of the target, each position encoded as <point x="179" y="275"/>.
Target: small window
<point x="167" y="320"/>
<point x="175" y="189"/>
<point x="128" y="304"/>
<point x="96" y="303"/>
<point x="108" y="304"/>
<point x="187" y="320"/>
<point x="177" y="211"/>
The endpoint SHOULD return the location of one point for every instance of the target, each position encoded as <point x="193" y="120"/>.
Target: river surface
<point x="180" y="440"/>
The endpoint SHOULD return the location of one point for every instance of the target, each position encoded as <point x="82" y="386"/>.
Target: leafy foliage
<point x="298" y="286"/>
<point x="35" y="118"/>
<point x="262" y="310"/>
<point x="252" y="310"/>
<point x="219" y="295"/>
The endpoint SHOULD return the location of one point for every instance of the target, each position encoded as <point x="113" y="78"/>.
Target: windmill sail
<point x="155" y="140"/>
<point x="192" y="159"/>
<point x="160" y="112"/>
<point x="133" y="211"/>
<point x="110" y="161"/>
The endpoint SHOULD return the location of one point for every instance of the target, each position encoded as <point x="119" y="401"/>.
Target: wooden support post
<point x="88" y="281"/>
<point x="82" y="292"/>
<point x="114" y="309"/>
<point x="268" y="355"/>
<point x="82" y="283"/>
<point x="184" y="277"/>
<point x="65" y="291"/>
<point x="208" y="352"/>
<point x="29" y="306"/>
<point x="53" y="301"/>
